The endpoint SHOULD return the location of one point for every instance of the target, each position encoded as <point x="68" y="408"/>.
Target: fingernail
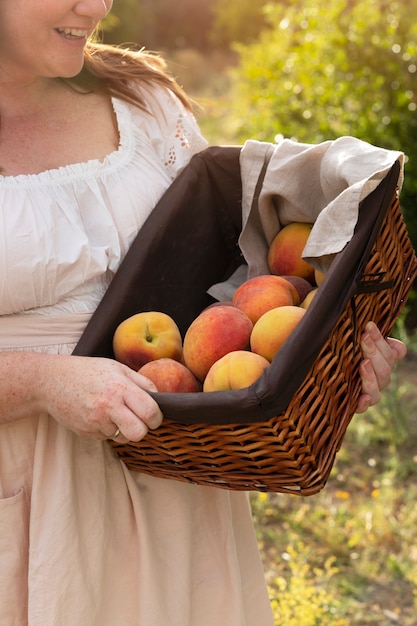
<point x="368" y="366"/>
<point x="367" y="340"/>
<point x="155" y="421"/>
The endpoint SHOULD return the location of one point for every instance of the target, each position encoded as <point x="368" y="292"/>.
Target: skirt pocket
<point x="14" y="546"/>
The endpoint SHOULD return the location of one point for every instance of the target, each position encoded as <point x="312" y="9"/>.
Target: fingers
<point x="142" y="403"/>
<point x="399" y="348"/>
<point x="118" y="436"/>
<point x="364" y="403"/>
<point x="371" y="393"/>
<point x="381" y="354"/>
<point x="139" y="411"/>
<point x="129" y="427"/>
<point x="380" y="357"/>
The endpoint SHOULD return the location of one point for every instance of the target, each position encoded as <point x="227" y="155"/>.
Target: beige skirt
<point x="84" y="541"/>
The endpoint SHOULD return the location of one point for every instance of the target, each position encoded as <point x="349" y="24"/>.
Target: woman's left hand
<point x="380" y="357"/>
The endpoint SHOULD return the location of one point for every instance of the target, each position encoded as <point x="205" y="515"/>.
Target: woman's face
<point x="46" y="38"/>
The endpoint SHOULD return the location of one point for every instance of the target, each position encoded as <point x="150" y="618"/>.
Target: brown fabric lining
<point x="189" y="243"/>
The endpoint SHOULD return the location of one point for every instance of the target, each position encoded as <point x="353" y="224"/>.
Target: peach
<point x="319" y="277"/>
<point x="262" y="293"/>
<point x="147" y="336"/>
<point x="302" y="286"/>
<point x="235" y="370"/>
<point x="219" y="303"/>
<point x="215" y="332"/>
<point x="273" y="328"/>
<point x="308" y="299"/>
<point x="171" y="376"/>
<point x="285" y="250"/>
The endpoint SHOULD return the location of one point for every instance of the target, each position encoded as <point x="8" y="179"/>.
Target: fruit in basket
<point x="285" y="252"/>
<point x="273" y="328"/>
<point x="170" y="376"/>
<point x="262" y="293"/>
<point x="147" y="336"/>
<point x="319" y="277"/>
<point x="308" y="299"/>
<point x="212" y="334"/>
<point x="302" y="286"/>
<point x="235" y="370"/>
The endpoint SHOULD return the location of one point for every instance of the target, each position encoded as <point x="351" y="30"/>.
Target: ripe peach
<point x="273" y="328"/>
<point x="284" y="254"/>
<point x="235" y="370"/>
<point x="169" y="375"/>
<point x="318" y="277"/>
<point x="308" y="299"/>
<point x="215" y="332"/>
<point x="147" y="336"/>
<point x="302" y="286"/>
<point x="262" y="293"/>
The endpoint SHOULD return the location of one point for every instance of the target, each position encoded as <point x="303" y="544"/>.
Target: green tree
<point x="127" y="22"/>
<point x="237" y="21"/>
<point x="160" y="24"/>
<point x="348" y="67"/>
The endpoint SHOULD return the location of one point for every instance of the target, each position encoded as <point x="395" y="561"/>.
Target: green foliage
<point x="237" y="21"/>
<point x="124" y="24"/>
<point x="200" y="24"/>
<point x="340" y="68"/>
<point x="347" y="555"/>
<point x="299" y="596"/>
<point x="161" y="24"/>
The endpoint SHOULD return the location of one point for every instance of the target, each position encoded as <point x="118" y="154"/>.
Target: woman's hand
<point x="96" y="397"/>
<point x="380" y="357"/>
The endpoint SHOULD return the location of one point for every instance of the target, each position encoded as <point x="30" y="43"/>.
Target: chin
<point x="69" y="73"/>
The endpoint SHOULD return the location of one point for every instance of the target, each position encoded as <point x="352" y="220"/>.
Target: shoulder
<point x="159" y="100"/>
<point x="167" y="127"/>
<point x="167" y="117"/>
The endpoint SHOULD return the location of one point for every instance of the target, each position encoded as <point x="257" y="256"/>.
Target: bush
<point x="340" y="68"/>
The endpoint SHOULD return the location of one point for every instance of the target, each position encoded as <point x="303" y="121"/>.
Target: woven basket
<point x="282" y="433"/>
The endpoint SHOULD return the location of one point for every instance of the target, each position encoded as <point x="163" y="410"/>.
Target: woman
<point x="90" y="138"/>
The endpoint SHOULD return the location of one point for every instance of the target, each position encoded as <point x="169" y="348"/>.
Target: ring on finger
<point x="116" y="434"/>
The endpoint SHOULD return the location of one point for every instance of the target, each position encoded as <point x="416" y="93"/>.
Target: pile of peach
<point x="230" y="343"/>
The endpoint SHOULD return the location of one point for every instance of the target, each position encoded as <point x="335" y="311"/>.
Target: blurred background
<point x="311" y="71"/>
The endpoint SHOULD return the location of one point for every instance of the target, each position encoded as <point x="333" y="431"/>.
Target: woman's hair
<point x="118" y="71"/>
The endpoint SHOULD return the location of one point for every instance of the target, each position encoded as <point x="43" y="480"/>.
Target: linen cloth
<point x="83" y="540"/>
<point x="316" y="183"/>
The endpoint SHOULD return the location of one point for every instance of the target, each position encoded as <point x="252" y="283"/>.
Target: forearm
<point x="90" y="396"/>
<point x="19" y="385"/>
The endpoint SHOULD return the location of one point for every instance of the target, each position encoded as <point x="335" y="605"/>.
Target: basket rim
<point x="260" y="401"/>
<point x="273" y="391"/>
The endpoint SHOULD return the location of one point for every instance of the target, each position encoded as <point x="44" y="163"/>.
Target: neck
<point x="19" y="98"/>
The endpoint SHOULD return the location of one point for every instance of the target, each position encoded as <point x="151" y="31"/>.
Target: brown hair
<point x="117" y="70"/>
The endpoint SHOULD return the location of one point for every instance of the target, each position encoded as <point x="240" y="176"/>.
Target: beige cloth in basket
<point x="317" y="183"/>
<point x="321" y="183"/>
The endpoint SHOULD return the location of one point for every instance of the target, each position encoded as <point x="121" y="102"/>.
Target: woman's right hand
<point x="95" y="397"/>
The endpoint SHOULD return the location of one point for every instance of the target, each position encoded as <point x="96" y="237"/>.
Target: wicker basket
<point x="282" y="433"/>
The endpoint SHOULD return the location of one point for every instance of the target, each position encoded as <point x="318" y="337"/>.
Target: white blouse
<point x="71" y="513"/>
<point x="64" y="231"/>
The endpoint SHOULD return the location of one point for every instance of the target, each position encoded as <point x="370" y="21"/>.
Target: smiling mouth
<point x="73" y="33"/>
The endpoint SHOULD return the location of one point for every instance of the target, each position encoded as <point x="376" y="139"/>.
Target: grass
<point x="348" y="555"/>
